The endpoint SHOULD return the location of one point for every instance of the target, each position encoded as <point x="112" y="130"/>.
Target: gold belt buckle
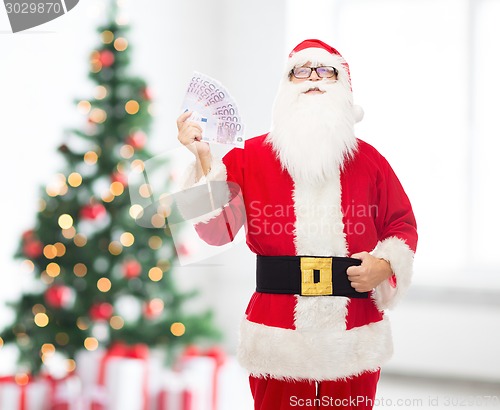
<point x="325" y="285"/>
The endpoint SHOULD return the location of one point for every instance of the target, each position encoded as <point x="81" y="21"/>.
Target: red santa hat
<point x="319" y="53"/>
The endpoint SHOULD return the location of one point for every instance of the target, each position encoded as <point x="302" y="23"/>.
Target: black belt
<point x="306" y="276"/>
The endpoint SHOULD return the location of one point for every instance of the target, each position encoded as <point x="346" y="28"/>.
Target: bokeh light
<point x="177" y="329"/>
<point x="155" y="274"/>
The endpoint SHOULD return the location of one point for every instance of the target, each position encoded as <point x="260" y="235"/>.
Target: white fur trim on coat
<point x="320" y="312"/>
<point x="189" y="204"/>
<point x="319" y="229"/>
<point x="321" y="354"/>
<point x="400" y="256"/>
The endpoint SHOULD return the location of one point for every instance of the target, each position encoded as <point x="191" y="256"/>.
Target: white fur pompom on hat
<point x="358" y="112"/>
<point x="317" y="52"/>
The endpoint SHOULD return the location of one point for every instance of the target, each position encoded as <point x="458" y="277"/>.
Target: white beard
<point x="313" y="134"/>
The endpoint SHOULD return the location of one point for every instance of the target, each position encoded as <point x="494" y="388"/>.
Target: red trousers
<point x="354" y="393"/>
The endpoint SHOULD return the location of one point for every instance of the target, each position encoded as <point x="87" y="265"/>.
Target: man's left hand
<point x="372" y="272"/>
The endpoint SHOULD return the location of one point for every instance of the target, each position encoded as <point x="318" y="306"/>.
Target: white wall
<point x="447" y="333"/>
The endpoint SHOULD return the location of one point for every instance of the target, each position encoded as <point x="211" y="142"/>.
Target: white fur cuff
<point x="400" y="256"/>
<point x="201" y="201"/>
<point x="217" y="173"/>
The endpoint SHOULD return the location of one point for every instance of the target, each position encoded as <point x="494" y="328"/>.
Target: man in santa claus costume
<point x="334" y="235"/>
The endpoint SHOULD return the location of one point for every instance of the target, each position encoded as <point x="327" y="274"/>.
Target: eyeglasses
<point x="322" y="72"/>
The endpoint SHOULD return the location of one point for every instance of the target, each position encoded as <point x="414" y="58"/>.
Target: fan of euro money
<point x="214" y="110"/>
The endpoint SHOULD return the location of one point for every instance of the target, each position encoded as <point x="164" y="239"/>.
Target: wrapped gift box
<point x="176" y="393"/>
<point x="197" y="380"/>
<point x="41" y="393"/>
<point x="115" y="379"/>
<point x="23" y="395"/>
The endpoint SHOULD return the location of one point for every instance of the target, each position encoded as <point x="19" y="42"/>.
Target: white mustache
<point x="321" y="86"/>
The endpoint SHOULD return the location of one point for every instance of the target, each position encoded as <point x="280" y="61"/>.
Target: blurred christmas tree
<point x="100" y="277"/>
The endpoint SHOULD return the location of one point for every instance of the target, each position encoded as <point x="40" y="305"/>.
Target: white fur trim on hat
<point x="315" y="55"/>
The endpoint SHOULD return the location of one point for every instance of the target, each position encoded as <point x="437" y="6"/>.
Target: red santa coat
<point x="364" y="208"/>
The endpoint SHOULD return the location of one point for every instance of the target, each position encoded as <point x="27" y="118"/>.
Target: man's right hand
<point x="190" y="136"/>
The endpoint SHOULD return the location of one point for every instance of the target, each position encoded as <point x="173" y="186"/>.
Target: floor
<point x="397" y="391"/>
